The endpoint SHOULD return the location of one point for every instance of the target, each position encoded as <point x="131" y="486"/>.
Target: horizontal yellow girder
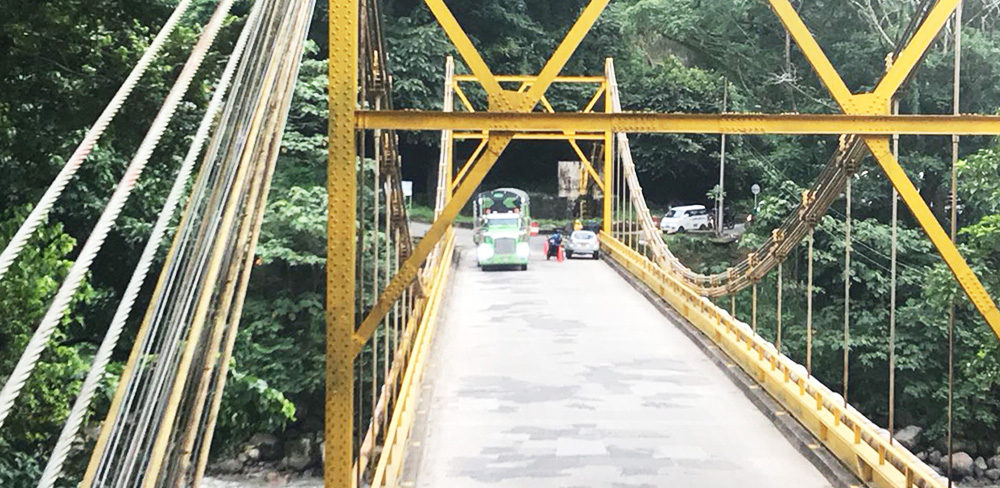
<point x="830" y="124"/>
<point x="536" y="136"/>
<point x="532" y="78"/>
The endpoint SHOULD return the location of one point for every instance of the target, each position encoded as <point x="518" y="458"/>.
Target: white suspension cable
<point x="72" y="426"/>
<point x="43" y="206"/>
<point x="106" y="222"/>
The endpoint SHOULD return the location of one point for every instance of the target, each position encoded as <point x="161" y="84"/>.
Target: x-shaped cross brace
<point x="877" y="102"/>
<point x="500" y="100"/>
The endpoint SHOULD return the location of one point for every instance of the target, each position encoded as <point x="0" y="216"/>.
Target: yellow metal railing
<point x="424" y="322"/>
<point x="860" y="445"/>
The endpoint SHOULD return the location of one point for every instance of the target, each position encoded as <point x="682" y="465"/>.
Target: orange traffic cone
<point x="559" y="255"/>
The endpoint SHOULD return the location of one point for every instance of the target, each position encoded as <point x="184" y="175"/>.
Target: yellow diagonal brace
<point x="564" y="51"/>
<point x="464" y="45"/>
<point x="497" y="143"/>
<point x="810" y="48"/>
<point x="576" y="148"/>
<point x="587" y="164"/>
<point x="408" y="271"/>
<point x="879" y="147"/>
<point x="915" y="49"/>
<point x="877" y="102"/>
<point x="468" y="163"/>
<point x="463" y="98"/>
<point x="597" y="96"/>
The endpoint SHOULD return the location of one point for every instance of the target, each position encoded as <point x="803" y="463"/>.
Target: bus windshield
<point x="504" y="222"/>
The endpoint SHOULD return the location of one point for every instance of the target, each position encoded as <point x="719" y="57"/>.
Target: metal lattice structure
<point x="630" y="236"/>
<point x="160" y="424"/>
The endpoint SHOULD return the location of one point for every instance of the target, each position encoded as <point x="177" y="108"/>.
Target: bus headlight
<point x="523" y="250"/>
<point x="484" y="251"/>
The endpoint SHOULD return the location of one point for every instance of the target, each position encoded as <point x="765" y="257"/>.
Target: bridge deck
<point x="565" y="376"/>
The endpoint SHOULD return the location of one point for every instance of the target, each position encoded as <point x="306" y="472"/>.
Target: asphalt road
<point x="564" y="376"/>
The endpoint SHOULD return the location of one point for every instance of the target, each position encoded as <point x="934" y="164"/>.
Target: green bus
<point x="502" y="227"/>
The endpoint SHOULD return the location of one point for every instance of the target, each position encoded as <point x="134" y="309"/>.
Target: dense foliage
<point x="61" y="61"/>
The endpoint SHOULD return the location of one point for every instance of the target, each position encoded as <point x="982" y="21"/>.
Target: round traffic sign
<point x="755" y="189"/>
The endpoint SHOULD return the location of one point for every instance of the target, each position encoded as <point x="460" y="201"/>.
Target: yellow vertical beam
<point x="608" y="152"/>
<point x="341" y="242"/>
<point x="450" y="169"/>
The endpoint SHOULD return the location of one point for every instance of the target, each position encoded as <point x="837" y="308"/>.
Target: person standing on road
<point x="554" y="242"/>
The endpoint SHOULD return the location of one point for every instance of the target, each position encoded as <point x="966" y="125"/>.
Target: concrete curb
<point x="800" y="438"/>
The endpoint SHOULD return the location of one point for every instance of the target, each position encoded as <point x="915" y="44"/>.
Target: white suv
<point x="681" y="219"/>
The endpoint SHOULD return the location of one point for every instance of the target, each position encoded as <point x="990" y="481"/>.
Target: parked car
<point x="583" y="242"/>
<point x="685" y="218"/>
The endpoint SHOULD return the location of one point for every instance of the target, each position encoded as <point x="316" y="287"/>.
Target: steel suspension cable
<point x="237" y="307"/>
<point x="68" y="434"/>
<point x="41" y="210"/>
<point x="777" y="333"/>
<point x="892" y="288"/>
<point x="847" y="289"/>
<point x="809" y="303"/>
<point x="201" y="310"/>
<point x="194" y="268"/>
<point x="956" y="99"/>
<point x="113" y="430"/>
<point x="105" y="223"/>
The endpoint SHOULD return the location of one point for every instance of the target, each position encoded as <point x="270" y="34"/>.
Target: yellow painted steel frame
<point x="878" y="102"/>
<point x="568" y="135"/>
<point x="848" y="434"/>
<point x="500" y="100"/>
<point x="390" y="462"/>
<point x="341" y="242"/>
<point x="536" y="125"/>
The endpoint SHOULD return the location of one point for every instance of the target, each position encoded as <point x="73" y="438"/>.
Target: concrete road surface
<point x="564" y="376"/>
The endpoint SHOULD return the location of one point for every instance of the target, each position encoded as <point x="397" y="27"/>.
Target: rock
<point x="299" y="454"/>
<point x="909" y="436"/>
<point x="961" y="465"/>
<point x="934" y="457"/>
<point x="268" y="445"/>
<point x="993" y="462"/>
<point x="922" y="456"/>
<point x="242" y="458"/>
<point x="229" y="466"/>
<point x="993" y="474"/>
<point x="253" y="454"/>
